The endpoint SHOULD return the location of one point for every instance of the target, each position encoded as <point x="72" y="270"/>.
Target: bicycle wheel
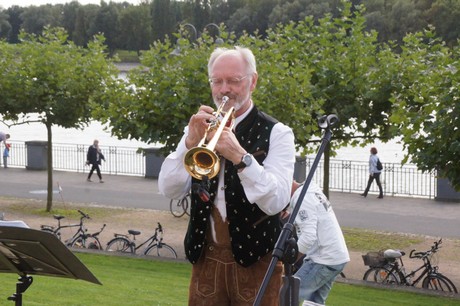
<point x="380" y="275"/>
<point x="161" y="250"/>
<point x="176" y="207"/>
<point x="120" y="244"/>
<point x="438" y="282"/>
<point x="86" y="243"/>
<point x="186" y="206"/>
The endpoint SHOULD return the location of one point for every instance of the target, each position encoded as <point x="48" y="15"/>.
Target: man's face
<point x="229" y="78"/>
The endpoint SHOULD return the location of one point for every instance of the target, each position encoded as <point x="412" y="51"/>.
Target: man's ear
<point x="255" y="76"/>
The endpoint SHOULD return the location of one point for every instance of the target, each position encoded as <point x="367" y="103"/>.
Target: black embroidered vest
<point x="253" y="234"/>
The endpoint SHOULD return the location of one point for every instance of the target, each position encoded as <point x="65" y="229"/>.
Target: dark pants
<point x="373" y="176"/>
<point x="98" y="171"/>
<point x="217" y="280"/>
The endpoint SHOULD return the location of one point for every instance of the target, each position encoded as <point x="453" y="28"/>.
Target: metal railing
<point x="72" y="157"/>
<point x="345" y="175"/>
<point x="397" y="179"/>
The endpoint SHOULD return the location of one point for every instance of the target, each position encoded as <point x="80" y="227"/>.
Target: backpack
<point x="379" y="165"/>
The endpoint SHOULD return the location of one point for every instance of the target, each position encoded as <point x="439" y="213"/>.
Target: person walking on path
<point x="93" y="158"/>
<point x="234" y="225"/>
<point x="6" y="154"/>
<point x="374" y="173"/>
<point x="3" y="138"/>
<point x="323" y="252"/>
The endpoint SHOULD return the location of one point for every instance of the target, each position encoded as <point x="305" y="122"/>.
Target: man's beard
<point x="238" y="104"/>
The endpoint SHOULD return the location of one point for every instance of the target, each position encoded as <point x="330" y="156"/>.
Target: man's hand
<point x="198" y="125"/>
<point x="229" y="147"/>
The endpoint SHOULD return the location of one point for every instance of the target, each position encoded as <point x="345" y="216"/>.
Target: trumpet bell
<point x="200" y="162"/>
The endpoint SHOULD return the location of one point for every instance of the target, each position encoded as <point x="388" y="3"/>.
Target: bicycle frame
<point x="81" y="232"/>
<point x="149" y="241"/>
<point x="393" y="268"/>
<point x="405" y="278"/>
<point x="57" y="230"/>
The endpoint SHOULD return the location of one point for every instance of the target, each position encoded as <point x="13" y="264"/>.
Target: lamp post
<point x="218" y="40"/>
<point x="194" y="31"/>
<point x="195" y="35"/>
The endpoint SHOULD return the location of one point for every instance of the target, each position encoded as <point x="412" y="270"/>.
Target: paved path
<point x="394" y="214"/>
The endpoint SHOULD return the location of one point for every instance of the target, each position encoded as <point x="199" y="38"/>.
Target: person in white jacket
<point x="321" y="240"/>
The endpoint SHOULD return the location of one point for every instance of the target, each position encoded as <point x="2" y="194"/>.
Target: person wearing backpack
<point x="375" y="169"/>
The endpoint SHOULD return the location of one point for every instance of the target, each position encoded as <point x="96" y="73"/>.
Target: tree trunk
<point x="49" y="201"/>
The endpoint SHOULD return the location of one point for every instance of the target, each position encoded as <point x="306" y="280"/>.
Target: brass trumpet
<point x="201" y="161"/>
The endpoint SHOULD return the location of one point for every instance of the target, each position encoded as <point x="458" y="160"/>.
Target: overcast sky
<point x="7" y="3"/>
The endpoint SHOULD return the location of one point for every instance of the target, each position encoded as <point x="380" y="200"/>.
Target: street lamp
<point x="194" y="31"/>
<point x="218" y="40"/>
<point x="196" y="35"/>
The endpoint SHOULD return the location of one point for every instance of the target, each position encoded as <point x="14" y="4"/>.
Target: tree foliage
<point x="137" y="30"/>
<point x="392" y="19"/>
<point x="52" y="78"/>
<point x="306" y="70"/>
<point x="427" y="108"/>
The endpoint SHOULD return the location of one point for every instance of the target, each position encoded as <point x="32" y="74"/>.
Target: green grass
<point x="126" y="56"/>
<point x="354" y="295"/>
<point x="135" y="281"/>
<point x="125" y="281"/>
<point x="368" y="240"/>
<point x="69" y="211"/>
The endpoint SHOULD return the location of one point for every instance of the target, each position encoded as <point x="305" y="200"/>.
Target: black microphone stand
<point x="286" y="246"/>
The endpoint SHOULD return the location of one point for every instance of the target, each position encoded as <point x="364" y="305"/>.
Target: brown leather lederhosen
<point x="218" y="280"/>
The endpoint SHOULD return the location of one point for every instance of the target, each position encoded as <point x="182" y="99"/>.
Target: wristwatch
<point x="246" y="161"/>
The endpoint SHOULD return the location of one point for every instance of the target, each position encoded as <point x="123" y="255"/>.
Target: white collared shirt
<point x="268" y="185"/>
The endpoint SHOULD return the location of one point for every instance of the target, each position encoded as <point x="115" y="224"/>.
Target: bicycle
<point x="154" y="244"/>
<point x="180" y="207"/>
<point x="388" y="268"/>
<point x="81" y="239"/>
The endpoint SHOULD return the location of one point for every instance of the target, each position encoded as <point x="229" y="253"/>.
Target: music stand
<point x="28" y="252"/>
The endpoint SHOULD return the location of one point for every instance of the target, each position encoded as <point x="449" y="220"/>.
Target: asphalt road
<point x="393" y="214"/>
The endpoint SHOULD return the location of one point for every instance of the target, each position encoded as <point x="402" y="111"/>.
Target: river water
<point x="391" y="152"/>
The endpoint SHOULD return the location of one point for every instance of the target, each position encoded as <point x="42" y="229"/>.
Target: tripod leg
<point x="21" y="286"/>
<point x="289" y="292"/>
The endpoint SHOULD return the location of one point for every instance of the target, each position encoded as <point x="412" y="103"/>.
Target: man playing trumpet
<point x="234" y="221"/>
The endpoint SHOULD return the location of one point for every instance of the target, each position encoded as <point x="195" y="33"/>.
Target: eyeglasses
<point x="216" y="82"/>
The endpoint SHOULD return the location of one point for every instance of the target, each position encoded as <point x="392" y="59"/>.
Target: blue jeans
<point x="316" y="280"/>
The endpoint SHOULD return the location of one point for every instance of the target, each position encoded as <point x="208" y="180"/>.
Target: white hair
<point x="245" y="53"/>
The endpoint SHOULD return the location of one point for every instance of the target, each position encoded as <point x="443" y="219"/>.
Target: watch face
<point x="247" y="159"/>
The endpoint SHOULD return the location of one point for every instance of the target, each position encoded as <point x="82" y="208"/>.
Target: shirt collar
<point x="244" y="115"/>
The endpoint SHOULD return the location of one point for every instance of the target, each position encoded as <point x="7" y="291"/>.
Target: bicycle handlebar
<point x="83" y="215"/>
<point x="434" y="248"/>
<point x="416" y="254"/>
<point x="97" y="233"/>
